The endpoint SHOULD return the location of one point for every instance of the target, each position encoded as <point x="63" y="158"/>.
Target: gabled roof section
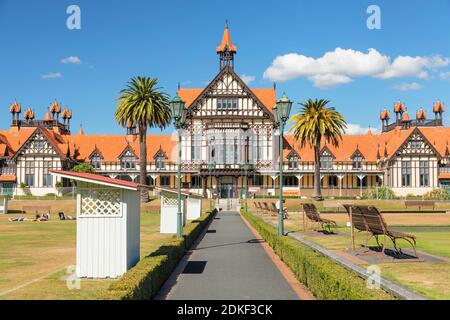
<point x="95" y="152"/>
<point x="55" y="140"/>
<point x="218" y="77"/>
<point x="160" y="153"/>
<point x="405" y="142"/>
<point x="130" y="149"/>
<point x="357" y="153"/>
<point x="326" y="149"/>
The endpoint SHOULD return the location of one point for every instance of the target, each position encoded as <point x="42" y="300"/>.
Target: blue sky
<point x="175" y="41"/>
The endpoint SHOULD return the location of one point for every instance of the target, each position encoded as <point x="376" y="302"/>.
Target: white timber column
<point x="360" y="177"/>
<point x="340" y="177"/>
<point x="274" y="177"/>
<point x="299" y="178"/>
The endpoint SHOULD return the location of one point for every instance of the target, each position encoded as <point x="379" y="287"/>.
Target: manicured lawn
<point x="431" y="279"/>
<point x="34" y="257"/>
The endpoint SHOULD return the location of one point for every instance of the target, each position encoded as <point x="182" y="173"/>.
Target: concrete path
<point x="227" y="263"/>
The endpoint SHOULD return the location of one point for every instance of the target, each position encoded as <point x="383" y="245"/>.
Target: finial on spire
<point x="226" y="23"/>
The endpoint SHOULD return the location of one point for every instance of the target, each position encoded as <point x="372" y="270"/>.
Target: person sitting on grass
<point x="285" y="213"/>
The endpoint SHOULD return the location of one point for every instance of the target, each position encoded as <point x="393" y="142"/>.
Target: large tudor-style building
<point x="229" y="124"/>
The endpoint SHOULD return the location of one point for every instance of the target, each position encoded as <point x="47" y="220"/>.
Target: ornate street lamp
<point x="179" y="117"/>
<point x="211" y="167"/>
<point x="245" y="166"/>
<point x="281" y="113"/>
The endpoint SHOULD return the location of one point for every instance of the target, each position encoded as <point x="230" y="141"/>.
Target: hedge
<point x="145" y="279"/>
<point x="326" y="279"/>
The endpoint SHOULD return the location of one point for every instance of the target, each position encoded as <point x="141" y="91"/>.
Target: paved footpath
<point x="228" y="263"/>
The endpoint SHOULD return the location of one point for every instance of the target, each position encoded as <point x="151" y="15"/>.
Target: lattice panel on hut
<point x="100" y="203"/>
<point x="170" y="202"/>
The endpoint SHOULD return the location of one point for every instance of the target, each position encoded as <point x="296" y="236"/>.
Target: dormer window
<point x="357" y="161"/>
<point x="128" y="161"/>
<point x="293" y="162"/>
<point x="160" y="163"/>
<point x="96" y="161"/>
<point x="326" y="160"/>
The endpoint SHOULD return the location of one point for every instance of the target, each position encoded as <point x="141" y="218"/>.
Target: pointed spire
<point x="385" y="150"/>
<point x="378" y="152"/>
<point x="226" y="43"/>
<point x="81" y="131"/>
<point x="447" y="151"/>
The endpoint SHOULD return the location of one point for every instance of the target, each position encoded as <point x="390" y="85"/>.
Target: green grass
<point x="34" y="250"/>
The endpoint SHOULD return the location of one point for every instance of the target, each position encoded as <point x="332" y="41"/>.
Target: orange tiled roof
<point x="266" y="95"/>
<point x="111" y="146"/>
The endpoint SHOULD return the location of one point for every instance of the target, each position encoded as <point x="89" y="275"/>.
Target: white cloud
<point x="342" y="65"/>
<point x="52" y="75"/>
<point x="445" y="75"/>
<point x="71" y="59"/>
<point x="408" y="86"/>
<point x="353" y="128"/>
<point x="247" y="79"/>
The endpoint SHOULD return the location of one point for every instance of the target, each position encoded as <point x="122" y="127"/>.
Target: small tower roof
<point x="29" y="114"/>
<point x="399" y="107"/>
<point x="15" y="107"/>
<point x="47" y="116"/>
<point x="226" y="41"/>
<point x="421" y="114"/>
<point x="66" y="114"/>
<point x="385" y="115"/>
<point x="438" y="107"/>
<point x="405" y="117"/>
<point x="55" y="108"/>
<point x="81" y="131"/>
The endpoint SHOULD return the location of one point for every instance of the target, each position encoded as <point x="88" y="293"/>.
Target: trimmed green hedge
<point x="326" y="279"/>
<point x="145" y="279"/>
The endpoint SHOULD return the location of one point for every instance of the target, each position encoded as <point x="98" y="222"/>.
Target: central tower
<point x="226" y="50"/>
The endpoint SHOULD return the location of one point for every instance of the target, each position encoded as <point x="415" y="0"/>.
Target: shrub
<point x="326" y="279"/>
<point x="437" y="194"/>
<point x="83" y="167"/>
<point x="384" y="193"/>
<point x="145" y="279"/>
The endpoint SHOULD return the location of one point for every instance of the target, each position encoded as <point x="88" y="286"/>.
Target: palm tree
<point x="145" y="105"/>
<point x="315" y="122"/>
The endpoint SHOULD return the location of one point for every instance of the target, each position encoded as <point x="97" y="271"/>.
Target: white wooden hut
<point x="191" y="208"/>
<point x="3" y="204"/>
<point x="108" y="224"/>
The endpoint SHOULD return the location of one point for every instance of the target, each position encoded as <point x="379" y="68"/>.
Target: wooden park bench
<point x="312" y="214"/>
<point x="37" y="209"/>
<point x="420" y="203"/>
<point x="376" y="226"/>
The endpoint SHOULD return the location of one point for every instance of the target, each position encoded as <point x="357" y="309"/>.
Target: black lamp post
<point x="281" y="113"/>
<point x="179" y="116"/>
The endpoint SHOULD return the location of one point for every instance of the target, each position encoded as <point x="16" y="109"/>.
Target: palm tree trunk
<point x="143" y="160"/>
<point x="317" y="193"/>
